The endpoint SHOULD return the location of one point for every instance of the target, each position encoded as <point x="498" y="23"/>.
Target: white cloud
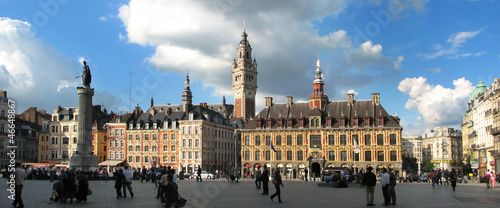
<point x="32" y="71"/>
<point x="456" y="42"/>
<point x="81" y="59"/>
<point x="438" y="106"/>
<point x="398" y="61"/>
<point x="202" y="36"/>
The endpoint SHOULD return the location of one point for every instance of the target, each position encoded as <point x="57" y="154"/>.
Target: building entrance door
<point x="315" y="169"/>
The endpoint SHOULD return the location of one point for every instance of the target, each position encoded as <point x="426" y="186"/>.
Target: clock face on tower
<point x="250" y="93"/>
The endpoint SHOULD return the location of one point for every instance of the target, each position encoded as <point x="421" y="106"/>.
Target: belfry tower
<point x="244" y="80"/>
<point x="318" y="99"/>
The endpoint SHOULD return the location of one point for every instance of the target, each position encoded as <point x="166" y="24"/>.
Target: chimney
<point x="3" y="93"/>
<point x="350" y="98"/>
<point x="152" y="102"/>
<point x="289" y="101"/>
<point x="376" y="98"/>
<point x="223" y="100"/>
<point x="269" y="101"/>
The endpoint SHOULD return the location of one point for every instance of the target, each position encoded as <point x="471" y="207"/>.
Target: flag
<point x="272" y="147"/>
<point x="356" y="147"/>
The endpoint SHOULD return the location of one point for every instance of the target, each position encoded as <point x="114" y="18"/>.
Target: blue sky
<point x="424" y="58"/>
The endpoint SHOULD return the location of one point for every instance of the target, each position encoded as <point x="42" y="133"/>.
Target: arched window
<point x="2" y="128"/>
<point x="111" y="154"/>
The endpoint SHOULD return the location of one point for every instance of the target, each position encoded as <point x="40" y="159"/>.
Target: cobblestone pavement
<point x="219" y="193"/>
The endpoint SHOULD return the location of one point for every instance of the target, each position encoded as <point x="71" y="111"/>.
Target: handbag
<point x="181" y="202"/>
<point x="89" y="192"/>
<point x="275" y="182"/>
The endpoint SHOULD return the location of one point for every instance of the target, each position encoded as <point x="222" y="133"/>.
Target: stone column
<point x="84" y="158"/>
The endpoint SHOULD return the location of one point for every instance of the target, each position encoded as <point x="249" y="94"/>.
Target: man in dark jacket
<point x="392" y="187"/>
<point x="277" y="182"/>
<point x="369" y="180"/>
<point x="199" y="175"/>
<point x="265" y="181"/>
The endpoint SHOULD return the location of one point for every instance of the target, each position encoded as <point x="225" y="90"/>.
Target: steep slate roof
<point x="335" y="109"/>
<point x="216" y="113"/>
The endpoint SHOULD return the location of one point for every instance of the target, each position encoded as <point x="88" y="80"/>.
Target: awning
<point x="39" y="164"/>
<point x="112" y="162"/>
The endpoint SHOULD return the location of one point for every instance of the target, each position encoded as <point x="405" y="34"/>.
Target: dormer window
<point x="355" y="122"/>
<point x="147" y="126"/>
<point x="131" y="126"/>
<point x="301" y="122"/>
<point x="342" y="122"/>
<point x="280" y="123"/>
<point x="268" y="123"/>
<point x="289" y="123"/>
<point x="138" y="126"/>
<point x="328" y="122"/>
<point x="367" y="121"/>
<point x="155" y="125"/>
<point x="380" y="121"/>
<point x="258" y="123"/>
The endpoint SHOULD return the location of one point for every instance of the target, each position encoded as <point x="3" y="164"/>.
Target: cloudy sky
<point x="424" y="58"/>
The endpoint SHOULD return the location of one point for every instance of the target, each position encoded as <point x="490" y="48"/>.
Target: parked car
<point x="424" y="177"/>
<point x="204" y="175"/>
<point x="412" y="178"/>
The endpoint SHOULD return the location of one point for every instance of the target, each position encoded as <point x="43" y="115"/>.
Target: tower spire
<point x="187" y="96"/>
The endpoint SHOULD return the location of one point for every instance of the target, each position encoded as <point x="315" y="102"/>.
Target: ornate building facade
<point x="321" y="134"/>
<point x="480" y="127"/>
<point x="443" y="147"/>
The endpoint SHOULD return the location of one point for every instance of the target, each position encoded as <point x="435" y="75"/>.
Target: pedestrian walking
<point x="438" y="177"/>
<point x="265" y="181"/>
<point x="392" y="187"/>
<point x="487" y="177"/>
<point x="306" y="174"/>
<point x="70" y="186"/>
<point x="453" y="178"/>
<point x="277" y="182"/>
<point x="19" y="177"/>
<point x="198" y="177"/>
<point x="119" y="178"/>
<point x="127" y="182"/>
<point x="258" y="174"/>
<point x="369" y="181"/>
<point x="432" y="177"/>
<point x="144" y="173"/>
<point x="385" y="186"/>
<point x="446" y="175"/>
<point x="172" y="194"/>
<point x="83" y="187"/>
<point x="493" y="179"/>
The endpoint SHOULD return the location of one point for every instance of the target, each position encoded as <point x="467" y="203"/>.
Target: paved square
<point x="219" y="193"/>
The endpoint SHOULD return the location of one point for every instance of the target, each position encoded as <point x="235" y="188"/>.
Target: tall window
<point x="380" y="155"/>
<point x="197" y="142"/>
<point x="289" y="140"/>
<point x="268" y="140"/>
<point x="394" y="156"/>
<point x="257" y="155"/>
<point x="65" y="140"/>
<point x="130" y="137"/>
<point x="268" y="155"/>
<point x="247" y="140"/>
<point x="331" y="155"/>
<point x="380" y="139"/>
<point x="190" y="142"/>
<point x="392" y="138"/>
<point x="343" y="156"/>
<point x="257" y="140"/>
<point x="315" y="141"/>
<point x="300" y="155"/>
<point x="368" y="156"/>
<point x="278" y="140"/>
<point x="146" y="148"/>
<point x="368" y="139"/>
<point x="278" y="155"/>
<point x="247" y="155"/>
<point x="289" y="155"/>
<point x="137" y="159"/>
<point x="172" y="137"/>
<point x="130" y="148"/>
<point x="172" y="148"/>
<point x="299" y="140"/>
<point x="137" y="137"/>
<point x="331" y="140"/>
<point x="65" y="128"/>
<point x="146" y="137"/>
<point x="184" y="142"/>
<point x="137" y="148"/>
<point x="155" y="137"/>
<point x="154" y="149"/>
<point x="343" y="140"/>
<point x="355" y="138"/>
<point x="165" y="137"/>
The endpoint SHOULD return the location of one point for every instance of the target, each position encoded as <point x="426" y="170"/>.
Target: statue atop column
<point x="86" y="76"/>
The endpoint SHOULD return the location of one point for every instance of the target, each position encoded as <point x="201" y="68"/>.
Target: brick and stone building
<point x="443" y="147"/>
<point x="321" y="133"/>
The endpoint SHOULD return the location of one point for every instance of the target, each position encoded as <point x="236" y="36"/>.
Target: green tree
<point x="429" y="166"/>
